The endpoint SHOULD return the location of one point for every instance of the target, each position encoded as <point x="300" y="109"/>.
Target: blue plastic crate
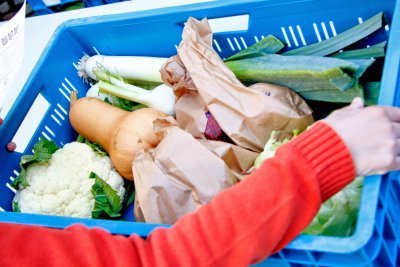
<point x="42" y="7"/>
<point x="156" y="33"/>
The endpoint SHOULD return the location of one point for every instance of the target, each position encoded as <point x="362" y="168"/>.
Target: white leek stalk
<point x="140" y="68"/>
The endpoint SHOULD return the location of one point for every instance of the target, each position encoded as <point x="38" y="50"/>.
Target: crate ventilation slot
<point x="286" y="37"/>
<point x="333" y="28"/>
<point x="217" y="46"/>
<point x="303" y="40"/>
<point x="30" y="123"/>
<point x="324" y="30"/>
<point x="256" y="38"/>
<point x="11" y="188"/>
<point x="16" y="173"/>
<point x="230" y="44"/>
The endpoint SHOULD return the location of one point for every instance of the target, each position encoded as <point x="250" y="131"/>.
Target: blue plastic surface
<point x="155" y="33"/>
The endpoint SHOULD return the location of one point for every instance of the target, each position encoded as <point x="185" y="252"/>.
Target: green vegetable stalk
<point x="268" y="45"/>
<point x="312" y="77"/>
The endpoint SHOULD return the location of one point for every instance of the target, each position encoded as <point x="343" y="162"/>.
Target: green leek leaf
<point x="371" y="93"/>
<point x="341" y="40"/>
<point x="312" y="77"/>
<point x="335" y="96"/>
<point x="365" y="53"/>
<point x="268" y="45"/>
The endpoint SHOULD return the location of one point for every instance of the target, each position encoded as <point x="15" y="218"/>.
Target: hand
<point x="372" y="135"/>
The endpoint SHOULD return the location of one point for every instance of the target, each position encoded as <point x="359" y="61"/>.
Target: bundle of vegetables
<point x="321" y="71"/>
<point x="77" y="180"/>
<point x="316" y="72"/>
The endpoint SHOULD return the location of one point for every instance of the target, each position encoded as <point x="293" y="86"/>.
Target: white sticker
<point x="11" y="50"/>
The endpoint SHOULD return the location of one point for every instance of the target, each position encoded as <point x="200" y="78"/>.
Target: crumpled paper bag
<point x="211" y="101"/>
<point x="177" y="177"/>
<point x="238" y="159"/>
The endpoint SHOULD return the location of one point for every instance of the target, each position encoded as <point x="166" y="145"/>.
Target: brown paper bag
<point x="176" y="177"/>
<point x="190" y="110"/>
<point x="238" y="159"/>
<point x="222" y="102"/>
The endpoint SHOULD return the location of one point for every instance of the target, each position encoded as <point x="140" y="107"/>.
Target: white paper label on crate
<point x="11" y="50"/>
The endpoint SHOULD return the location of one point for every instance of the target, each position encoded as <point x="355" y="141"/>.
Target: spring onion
<point x="161" y="98"/>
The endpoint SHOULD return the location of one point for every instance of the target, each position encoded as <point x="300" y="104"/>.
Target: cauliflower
<point x="60" y="185"/>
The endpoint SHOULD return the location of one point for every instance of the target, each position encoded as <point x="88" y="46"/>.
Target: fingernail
<point x="11" y="146"/>
<point x="358" y="102"/>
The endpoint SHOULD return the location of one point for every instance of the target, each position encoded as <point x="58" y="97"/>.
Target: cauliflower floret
<point x="62" y="185"/>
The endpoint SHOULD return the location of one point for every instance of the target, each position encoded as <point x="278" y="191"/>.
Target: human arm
<point x="243" y="224"/>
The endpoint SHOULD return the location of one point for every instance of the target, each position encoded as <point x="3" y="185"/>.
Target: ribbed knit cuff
<point x="328" y="155"/>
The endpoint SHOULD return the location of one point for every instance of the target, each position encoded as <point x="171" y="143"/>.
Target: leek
<point x="268" y="45"/>
<point x="134" y="68"/>
<point x="371" y="91"/>
<point x="341" y="40"/>
<point x="313" y="77"/>
<point x="374" y="51"/>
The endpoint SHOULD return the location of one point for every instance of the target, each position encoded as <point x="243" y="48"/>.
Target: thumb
<point x="357" y="103"/>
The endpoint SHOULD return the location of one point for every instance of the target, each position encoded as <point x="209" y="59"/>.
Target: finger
<point x="357" y="103"/>
<point x="393" y="113"/>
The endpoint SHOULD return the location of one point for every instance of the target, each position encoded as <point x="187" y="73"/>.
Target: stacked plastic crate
<point x="41" y="7"/>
